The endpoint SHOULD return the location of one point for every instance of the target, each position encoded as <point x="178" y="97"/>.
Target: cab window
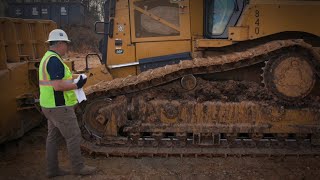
<point x="219" y="14"/>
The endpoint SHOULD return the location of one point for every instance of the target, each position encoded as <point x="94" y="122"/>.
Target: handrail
<point x="91" y="54"/>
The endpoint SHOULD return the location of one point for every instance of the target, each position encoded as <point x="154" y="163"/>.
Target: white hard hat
<point x="58" y="35"/>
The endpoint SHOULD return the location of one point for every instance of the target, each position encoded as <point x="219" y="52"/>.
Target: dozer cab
<point x="213" y="77"/>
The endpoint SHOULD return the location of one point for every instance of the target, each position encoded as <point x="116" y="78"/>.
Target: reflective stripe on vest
<point x="44" y="68"/>
<point x="47" y="96"/>
<point x="49" y="83"/>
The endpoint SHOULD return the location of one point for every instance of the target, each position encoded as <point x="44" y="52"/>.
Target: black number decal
<point x="257" y="22"/>
<point x="257" y="30"/>
<point x="257" y="13"/>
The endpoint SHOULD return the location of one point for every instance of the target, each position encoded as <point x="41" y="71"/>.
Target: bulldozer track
<point x="133" y="144"/>
<point x="156" y="77"/>
<point x="134" y="151"/>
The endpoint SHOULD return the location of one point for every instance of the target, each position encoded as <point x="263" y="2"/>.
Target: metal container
<point x="74" y="10"/>
<point x="45" y="11"/>
<point x="63" y="13"/>
<point x="32" y="11"/>
<point x="55" y="13"/>
<point x="15" y="1"/>
<point x="69" y="14"/>
<point x="16" y="11"/>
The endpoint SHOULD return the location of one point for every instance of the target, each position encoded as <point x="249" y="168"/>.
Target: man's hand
<point x="81" y="82"/>
<point x="60" y="85"/>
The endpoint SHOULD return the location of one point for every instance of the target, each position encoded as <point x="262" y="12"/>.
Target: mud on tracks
<point x="223" y="91"/>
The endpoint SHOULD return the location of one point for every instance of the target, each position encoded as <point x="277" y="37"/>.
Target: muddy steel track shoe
<point x="177" y="110"/>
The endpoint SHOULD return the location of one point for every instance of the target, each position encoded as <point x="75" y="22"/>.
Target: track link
<point x="133" y="151"/>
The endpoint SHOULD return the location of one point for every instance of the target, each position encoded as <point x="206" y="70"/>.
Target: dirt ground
<point x="25" y="159"/>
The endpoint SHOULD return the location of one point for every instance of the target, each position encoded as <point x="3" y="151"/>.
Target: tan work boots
<point x="58" y="172"/>
<point x="86" y="170"/>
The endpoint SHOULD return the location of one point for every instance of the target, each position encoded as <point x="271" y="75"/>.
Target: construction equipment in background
<point x="212" y="77"/>
<point x="22" y="45"/>
<point x="63" y="12"/>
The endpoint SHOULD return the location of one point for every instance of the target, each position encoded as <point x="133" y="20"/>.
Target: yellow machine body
<point x="184" y="21"/>
<point x="22" y="45"/>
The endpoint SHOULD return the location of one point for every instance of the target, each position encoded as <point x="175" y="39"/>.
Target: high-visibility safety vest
<point x="47" y="99"/>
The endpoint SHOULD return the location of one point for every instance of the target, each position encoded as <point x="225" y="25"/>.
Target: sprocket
<point x="290" y="76"/>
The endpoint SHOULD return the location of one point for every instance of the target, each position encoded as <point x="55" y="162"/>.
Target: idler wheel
<point x="94" y="118"/>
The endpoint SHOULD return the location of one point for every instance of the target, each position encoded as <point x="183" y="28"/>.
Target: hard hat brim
<point x="68" y="41"/>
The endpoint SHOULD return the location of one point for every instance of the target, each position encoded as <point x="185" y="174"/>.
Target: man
<point x="57" y="99"/>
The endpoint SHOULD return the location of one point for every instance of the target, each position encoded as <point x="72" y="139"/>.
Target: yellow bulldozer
<point x="204" y="77"/>
<point x="212" y="77"/>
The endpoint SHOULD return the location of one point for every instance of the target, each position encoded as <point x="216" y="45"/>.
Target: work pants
<point x="62" y="123"/>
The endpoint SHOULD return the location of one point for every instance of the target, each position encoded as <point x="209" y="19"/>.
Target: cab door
<point x="221" y="14"/>
<point x="146" y="34"/>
